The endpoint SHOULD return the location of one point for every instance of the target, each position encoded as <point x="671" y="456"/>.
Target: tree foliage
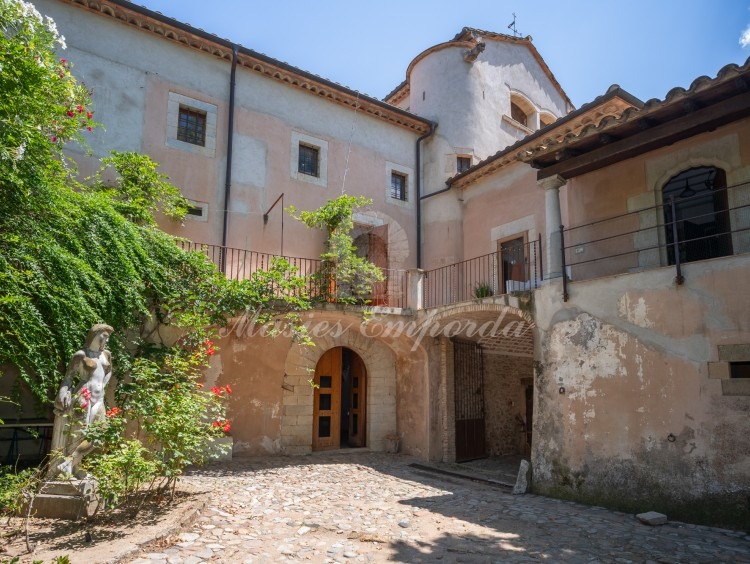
<point x="72" y="255"/>
<point x="344" y="276"/>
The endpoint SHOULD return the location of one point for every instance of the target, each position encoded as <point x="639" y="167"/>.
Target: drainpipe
<point x="230" y="136"/>
<point x="418" y="185"/>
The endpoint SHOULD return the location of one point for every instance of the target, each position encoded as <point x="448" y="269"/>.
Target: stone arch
<point x="297" y="401"/>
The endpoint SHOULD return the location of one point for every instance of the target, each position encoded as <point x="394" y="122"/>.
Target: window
<point x="463" y="163"/>
<point x="739" y="369"/>
<point x="191" y="127"/>
<point x="700" y="218"/>
<point x="518" y="114"/>
<point x="398" y="186"/>
<point x="197" y="210"/>
<point x="308" y="161"/>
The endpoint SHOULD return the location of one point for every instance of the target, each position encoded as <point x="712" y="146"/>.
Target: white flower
<point x="18" y="152"/>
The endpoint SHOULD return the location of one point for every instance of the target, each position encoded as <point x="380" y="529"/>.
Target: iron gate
<point x="468" y="377"/>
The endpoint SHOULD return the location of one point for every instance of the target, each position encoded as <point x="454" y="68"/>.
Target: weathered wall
<point x="626" y="412"/>
<point x="504" y="402"/>
<point x="271" y="409"/>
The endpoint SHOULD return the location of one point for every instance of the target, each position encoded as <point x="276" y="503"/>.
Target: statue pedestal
<point x="68" y="499"/>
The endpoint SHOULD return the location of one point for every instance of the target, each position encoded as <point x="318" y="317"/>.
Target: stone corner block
<point x="652" y="518"/>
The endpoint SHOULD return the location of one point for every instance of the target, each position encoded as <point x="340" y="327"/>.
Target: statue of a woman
<point x="80" y="403"/>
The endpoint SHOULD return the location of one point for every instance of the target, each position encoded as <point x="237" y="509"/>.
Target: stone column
<point x="553" y="217"/>
<point x="415" y="288"/>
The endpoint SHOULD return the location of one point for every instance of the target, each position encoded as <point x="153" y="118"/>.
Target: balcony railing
<point x="321" y="283"/>
<point x="516" y="268"/>
<point x="686" y="228"/>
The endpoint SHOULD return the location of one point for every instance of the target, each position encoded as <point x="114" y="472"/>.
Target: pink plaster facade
<point x="632" y="390"/>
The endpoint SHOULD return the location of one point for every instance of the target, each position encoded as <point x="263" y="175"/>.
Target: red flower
<point x="114" y="412"/>
<point x="79" y="107"/>
<point x="89" y="115"/>
<point x="200" y="386"/>
<point x="210" y="351"/>
<point x="216" y="423"/>
<point x="216" y="391"/>
<point x="63" y="61"/>
<point x="227" y="427"/>
<point x="84" y="404"/>
<point x="53" y="139"/>
<point x="86" y="393"/>
<point x="89" y="128"/>
<point x="71" y="113"/>
<point x="229" y="389"/>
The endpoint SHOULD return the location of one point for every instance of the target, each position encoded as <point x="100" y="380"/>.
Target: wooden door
<point x="327" y="402"/>
<point x="357" y="401"/>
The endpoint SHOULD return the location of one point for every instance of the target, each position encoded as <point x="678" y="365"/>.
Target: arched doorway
<point x="339" y="408"/>
<point x="696" y="211"/>
<point x="373" y="246"/>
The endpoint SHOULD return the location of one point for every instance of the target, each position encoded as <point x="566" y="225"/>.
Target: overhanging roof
<point x="707" y="104"/>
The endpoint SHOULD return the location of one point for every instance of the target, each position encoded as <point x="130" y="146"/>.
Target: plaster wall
<point x="501" y="206"/>
<point x="133" y="73"/>
<point x="271" y="408"/>
<point x="626" y="411"/>
<point x="468" y="100"/>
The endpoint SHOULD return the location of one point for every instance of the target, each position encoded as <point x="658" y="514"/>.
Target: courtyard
<point x="368" y="507"/>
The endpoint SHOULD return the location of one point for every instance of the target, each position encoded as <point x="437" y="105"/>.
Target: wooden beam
<point x="682" y="127"/>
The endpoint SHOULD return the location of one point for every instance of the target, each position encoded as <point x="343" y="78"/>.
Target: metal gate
<point x="468" y="376"/>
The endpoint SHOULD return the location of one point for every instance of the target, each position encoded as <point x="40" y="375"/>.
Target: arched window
<point x="518" y="114"/>
<point x="695" y="202"/>
<point x="546" y="119"/>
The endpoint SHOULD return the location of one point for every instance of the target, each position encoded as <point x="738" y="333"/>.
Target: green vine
<point x="343" y="277"/>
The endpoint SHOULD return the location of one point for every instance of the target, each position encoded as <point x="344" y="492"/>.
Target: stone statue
<point x="78" y="405"/>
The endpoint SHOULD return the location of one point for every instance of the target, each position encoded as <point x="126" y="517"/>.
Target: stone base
<point x="73" y="499"/>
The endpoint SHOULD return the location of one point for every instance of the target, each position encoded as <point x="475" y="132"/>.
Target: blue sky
<point x="647" y="47"/>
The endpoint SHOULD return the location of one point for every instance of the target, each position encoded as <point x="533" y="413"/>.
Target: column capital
<point x="552" y="182"/>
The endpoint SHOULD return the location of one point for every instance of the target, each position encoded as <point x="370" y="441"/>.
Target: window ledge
<point x="516" y="124"/>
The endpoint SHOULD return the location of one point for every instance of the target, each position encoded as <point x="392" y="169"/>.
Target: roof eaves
<point x="98" y="7"/>
<point x="513" y="152"/>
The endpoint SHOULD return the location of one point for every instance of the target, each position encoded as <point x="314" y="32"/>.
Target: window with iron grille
<point x="463" y="163"/>
<point x="308" y="160"/>
<point x="191" y="126"/>
<point x="398" y="186"/>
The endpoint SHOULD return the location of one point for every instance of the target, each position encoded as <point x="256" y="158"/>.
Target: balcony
<point x="687" y="227"/>
<point x="517" y="268"/>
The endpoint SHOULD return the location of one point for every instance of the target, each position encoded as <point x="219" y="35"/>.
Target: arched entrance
<point x="339" y="401"/>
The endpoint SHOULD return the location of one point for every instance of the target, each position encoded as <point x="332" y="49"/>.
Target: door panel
<point x="357" y="402"/>
<point x="327" y="401"/>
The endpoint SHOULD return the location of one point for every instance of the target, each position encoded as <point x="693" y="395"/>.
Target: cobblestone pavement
<point x="368" y="507"/>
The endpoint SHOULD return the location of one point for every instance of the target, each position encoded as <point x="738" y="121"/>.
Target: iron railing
<point x="320" y="279"/>
<point x="671" y="233"/>
<point x="514" y="269"/>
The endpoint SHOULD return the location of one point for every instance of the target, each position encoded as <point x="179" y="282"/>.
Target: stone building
<point x="615" y="353"/>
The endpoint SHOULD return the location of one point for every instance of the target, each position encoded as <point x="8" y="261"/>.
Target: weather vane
<point x="512" y="26"/>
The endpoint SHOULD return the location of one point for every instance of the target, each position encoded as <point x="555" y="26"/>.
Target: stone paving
<point x="368" y="507"/>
